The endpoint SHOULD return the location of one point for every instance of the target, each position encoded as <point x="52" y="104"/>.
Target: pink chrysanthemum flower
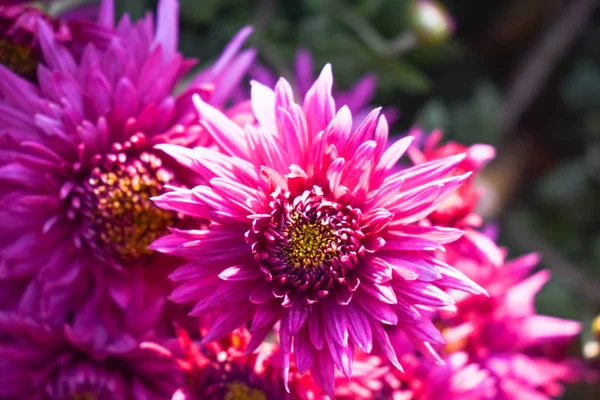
<point x="459" y="210"/>
<point x="78" y="170"/>
<point x="222" y="370"/>
<point x="19" y="44"/>
<point x="524" y="352"/>
<point x="39" y="363"/>
<point x="309" y="227"/>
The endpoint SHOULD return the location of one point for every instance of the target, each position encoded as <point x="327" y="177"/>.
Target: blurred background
<point x="523" y="75"/>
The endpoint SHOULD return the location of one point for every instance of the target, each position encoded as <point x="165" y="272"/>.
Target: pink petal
<point x="319" y="105"/>
<point x="232" y="318"/>
<point x="167" y="27"/>
<point x="224" y="131"/>
<point x="359" y="328"/>
<point x="263" y="106"/>
<point x="106" y="14"/>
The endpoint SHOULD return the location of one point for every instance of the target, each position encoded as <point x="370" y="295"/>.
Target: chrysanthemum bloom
<point x="19" y="44"/>
<point x="459" y="210"/>
<point x="523" y="351"/>
<point x="78" y="170"/>
<point x="222" y="371"/>
<point x="497" y="347"/>
<point x="39" y="363"/>
<point x="309" y="227"/>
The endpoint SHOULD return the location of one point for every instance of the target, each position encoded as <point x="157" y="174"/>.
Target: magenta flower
<point x="78" y="170"/>
<point x="40" y="363"/>
<point x="497" y="347"/>
<point x="459" y="210"/>
<point x="309" y="227"/>
<point x="222" y="370"/>
<point x="524" y="352"/>
<point x="19" y="44"/>
<point x="457" y="379"/>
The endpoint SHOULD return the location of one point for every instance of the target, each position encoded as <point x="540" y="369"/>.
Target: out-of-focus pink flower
<point x="424" y="380"/>
<point x="499" y="338"/>
<point x="40" y="363"/>
<point x="496" y="347"/>
<point x="19" y="42"/>
<point x="309" y="227"/>
<point x="223" y="370"/>
<point x="78" y="169"/>
<point x="523" y="351"/>
<point x="459" y="210"/>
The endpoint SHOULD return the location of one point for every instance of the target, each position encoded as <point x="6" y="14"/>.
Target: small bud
<point x="430" y="21"/>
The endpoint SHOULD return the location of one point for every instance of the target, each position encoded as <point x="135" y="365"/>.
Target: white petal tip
<point x="198" y="102"/>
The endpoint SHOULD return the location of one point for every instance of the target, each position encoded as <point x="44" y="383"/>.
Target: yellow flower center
<point x="18" y="58"/>
<point x="309" y="244"/>
<point x="241" y="391"/>
<point x="123" y="219"/>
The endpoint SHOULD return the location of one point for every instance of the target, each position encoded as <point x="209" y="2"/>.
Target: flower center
<point x="19" y="58"/>
<point x="241" y="391"/>
<point x="309" y="243"/>
<point x="120" y="218"/>
<point x="86" y="381"/>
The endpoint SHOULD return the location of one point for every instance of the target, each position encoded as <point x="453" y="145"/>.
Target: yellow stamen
<point x="309" y="243"/>
<point x="241" y="391"/>
<point x="129" y="220"/>
<point x="18" y="58"/>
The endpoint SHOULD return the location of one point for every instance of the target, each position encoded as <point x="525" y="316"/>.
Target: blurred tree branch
<point x="539" y="63"/>
<point x="567" y="273"/>
<point x="363" y="29"/>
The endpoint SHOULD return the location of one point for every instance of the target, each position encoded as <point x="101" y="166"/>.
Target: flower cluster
<point x="310" y="261"/>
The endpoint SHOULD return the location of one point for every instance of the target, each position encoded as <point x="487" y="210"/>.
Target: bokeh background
<point x="523" y="75"/>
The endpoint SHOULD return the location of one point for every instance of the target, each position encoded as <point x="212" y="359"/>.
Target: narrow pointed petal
<point x="167" y="29"/>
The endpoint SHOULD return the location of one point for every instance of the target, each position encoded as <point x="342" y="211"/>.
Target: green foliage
<point x="474" y="120"/>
